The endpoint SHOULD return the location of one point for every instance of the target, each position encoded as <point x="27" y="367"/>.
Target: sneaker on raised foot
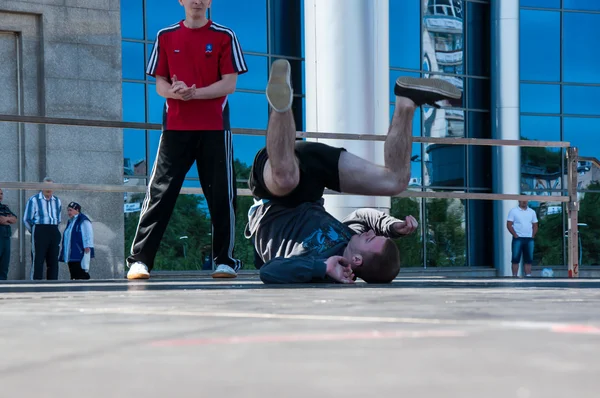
<point x="224" y="271"/>
<point x="425" y="91"/>
<point x="138" y="270"/>
<point x="279" y="88"/>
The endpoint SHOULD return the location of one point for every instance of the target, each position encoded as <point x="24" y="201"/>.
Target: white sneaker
<point x="279" y="89"/>
<point x="224" y="271"/>
<point x="138" y="270"/>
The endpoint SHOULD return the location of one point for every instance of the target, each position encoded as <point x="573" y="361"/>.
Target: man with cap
<point x="78" y="243"/>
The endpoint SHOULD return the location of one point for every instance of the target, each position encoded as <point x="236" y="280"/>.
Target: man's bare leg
<point x="359" y="176"/>
<point x="281" y="173"/>
<point x="515" y="270"/>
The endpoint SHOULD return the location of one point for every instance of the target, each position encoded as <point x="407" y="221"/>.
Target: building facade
<point x="540" y="87"/>
<point x="63" y="59"/>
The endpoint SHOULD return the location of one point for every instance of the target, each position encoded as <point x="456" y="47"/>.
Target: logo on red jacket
<point x="208" y="49"/>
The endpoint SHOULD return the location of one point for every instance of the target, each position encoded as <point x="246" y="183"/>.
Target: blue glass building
<point x="452" y="39"/>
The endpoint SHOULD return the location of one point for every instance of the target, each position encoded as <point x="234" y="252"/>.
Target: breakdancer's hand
<point x="339" y="269"/>
<point x="407" y="227"/>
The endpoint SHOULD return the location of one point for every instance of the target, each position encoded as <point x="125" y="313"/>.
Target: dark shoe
<point x="425" y="91"/>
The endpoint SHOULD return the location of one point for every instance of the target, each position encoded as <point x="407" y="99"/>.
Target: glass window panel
<point x="583" y="133"/>
<point x="589" y="214"/>
<point x="581" y="100"/>
<point x="156" y="105"/>
<point x="160" y="14"/>
<point x="237" y="14"/>
<point x="133" y="60"/>
<point x="540" y="167"/>
<point x="541" y="3"/>
<point x="593" y="5"/>
<point x="298" y="111"/>
<point x="444" y="164"/>
<point x="132" y="19"/>
<point x="540" y="98"/>
<point x="286" y="38"/>
<point x="256" y="78"/>
<point x="580" y="55"/>
<point x="303" y="77"/>
<point x="479" y="126"/>
<point x="411" y="246"/>
<point x="443" y="37"/>
<point x="540" y="128"/>
<point x="443" y="122"/>
<point x="302" y="27"/>
<point x="550" y="239"/>
<point x="478" y="39"/>
<point x="248" y="110"/>
<point x="405" y="34"/>
<point x="134" y="102"/>
<point x="445" y="235"/>
<point x="303" y="114"/>
<point x="134" y="152"/>
<point x="540" y="45"/>
<point x="245" y="147"/>
<point x="480" y="173"/>
<point x="478" y="94"/>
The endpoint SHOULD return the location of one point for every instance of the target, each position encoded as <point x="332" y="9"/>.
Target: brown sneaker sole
<point x="223" y="275"/>
<point x="138" y="276"/>
<point x="279" y="90"/>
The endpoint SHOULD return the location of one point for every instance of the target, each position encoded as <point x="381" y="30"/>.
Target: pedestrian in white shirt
<point x="523" y="225"/>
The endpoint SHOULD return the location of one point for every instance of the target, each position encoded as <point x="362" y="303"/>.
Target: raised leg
<point x="361" y="177"/>
<point x="281" y="172"/>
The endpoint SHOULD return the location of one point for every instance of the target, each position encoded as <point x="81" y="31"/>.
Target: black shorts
<point x="318" y="170"/>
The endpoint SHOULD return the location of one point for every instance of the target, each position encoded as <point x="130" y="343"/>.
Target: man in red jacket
<point x="196" y="63"/>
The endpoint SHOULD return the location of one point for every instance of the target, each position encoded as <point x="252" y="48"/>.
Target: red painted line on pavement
<point x="292" y="338"/>
<point x="577" y="329"/>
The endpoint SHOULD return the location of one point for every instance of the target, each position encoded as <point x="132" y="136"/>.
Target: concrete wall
<point x="62" y="58"/>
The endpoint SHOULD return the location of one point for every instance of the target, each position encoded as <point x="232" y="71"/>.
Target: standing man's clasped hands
<point x="181" y="91"/>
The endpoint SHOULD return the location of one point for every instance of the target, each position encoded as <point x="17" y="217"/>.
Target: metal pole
<point x="573" y="209"/>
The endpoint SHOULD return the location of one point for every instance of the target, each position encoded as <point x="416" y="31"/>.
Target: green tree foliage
<point x="190" y="218"/>
<point x="446" y="240"/>
<point x="547" y="159"/>
<point x="589" y="213"/>
<point x="548" y="245"/>
<point x="411" y="247"/>
<point x="446" y="244"/>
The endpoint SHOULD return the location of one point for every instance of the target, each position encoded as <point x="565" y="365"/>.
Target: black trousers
<point x="4" y="258"/>
<point x="177" y="151"/>
<point x="76" y="271"/>
<point x="45" y="247"/>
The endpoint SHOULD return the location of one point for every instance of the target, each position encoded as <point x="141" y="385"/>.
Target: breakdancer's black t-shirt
<point x="295" y="242"/>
